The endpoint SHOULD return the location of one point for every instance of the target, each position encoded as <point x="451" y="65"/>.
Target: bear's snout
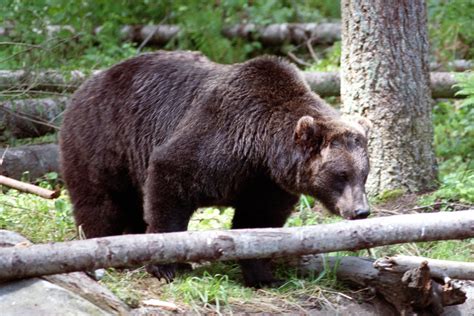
<point x="361" y="213"/>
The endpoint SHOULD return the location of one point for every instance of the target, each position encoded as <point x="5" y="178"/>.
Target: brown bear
<point x="148" y="141"/>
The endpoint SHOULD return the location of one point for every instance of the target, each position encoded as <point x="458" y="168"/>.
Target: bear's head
<point x="335" y="164"/>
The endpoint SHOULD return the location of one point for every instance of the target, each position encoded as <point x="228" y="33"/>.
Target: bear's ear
<point x="306" y="133"/>
<point x="366" y="125"/>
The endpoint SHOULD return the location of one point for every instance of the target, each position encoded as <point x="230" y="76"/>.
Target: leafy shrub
<point x="451" y="29"/>
<point x="454" y="144"/>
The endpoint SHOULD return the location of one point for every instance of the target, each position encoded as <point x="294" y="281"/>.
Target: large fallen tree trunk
<point x="278" y="34"/>
<point x="323" y="83"/>
<point x="413" y="287"/>
<point x="458" y="65"/>
<point x="270" y="35"/>
<point x="132" y="250"/>
<point x="37" y="160"/>
<point x="31" y="117"/>
<point x="329" y="83"/>
<point x="148" y="34"/>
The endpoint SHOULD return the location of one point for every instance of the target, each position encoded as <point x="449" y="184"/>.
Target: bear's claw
<point x="167" y="272"/>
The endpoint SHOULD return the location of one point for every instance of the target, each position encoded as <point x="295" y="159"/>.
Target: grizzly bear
<point x="148" y="141"/>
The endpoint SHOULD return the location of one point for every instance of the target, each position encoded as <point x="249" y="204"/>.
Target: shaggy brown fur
<point x="147" y="142"/>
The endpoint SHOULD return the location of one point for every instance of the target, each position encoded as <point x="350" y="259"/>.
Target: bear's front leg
<point x="166" y="209"/>
<point x="263" y="205"/>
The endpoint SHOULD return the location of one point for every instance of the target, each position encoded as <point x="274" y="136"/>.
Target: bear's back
<point x="121" y="113"/>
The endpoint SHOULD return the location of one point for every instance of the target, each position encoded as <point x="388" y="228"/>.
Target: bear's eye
<point x="336" y="143"/>
<point x="358" y="142"/>
<point x="343" y="175"/>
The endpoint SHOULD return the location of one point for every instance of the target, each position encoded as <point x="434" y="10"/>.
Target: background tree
<point x="385" y="77"/>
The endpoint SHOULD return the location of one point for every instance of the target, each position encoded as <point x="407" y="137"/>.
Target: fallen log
<point x="324" y="83"/>
<point x="133" y="250"/>
<point x="440" y="268"/>
<point x="37" y="160"/>
<point x="28" y="188"/>
<point x="329" y="83"/>
<point x="458" y="65"/>
<point x="270" y="35"/>
<point x="31" y="117"/>
<point x="410" y="288"/>
<point x="153" y="34"/>
<point x="278" y="34"/>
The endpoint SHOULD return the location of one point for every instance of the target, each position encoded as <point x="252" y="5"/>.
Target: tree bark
<point x="324" y="83"/>
<point x="133" y="250"/>
<point x="37" y="160"/>
<point x="385" y="78"/>
<point x="31" y="117"/>
<point x="407" y="288"/>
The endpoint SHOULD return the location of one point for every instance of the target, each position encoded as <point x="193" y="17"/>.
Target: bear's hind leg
<point x="100" y="219"/>
<point x="101" y="211"/>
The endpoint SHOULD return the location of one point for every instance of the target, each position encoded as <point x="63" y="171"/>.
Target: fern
<point x="466" y="88"/>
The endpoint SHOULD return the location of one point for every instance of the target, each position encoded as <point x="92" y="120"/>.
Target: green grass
<point x="36" y="218"/>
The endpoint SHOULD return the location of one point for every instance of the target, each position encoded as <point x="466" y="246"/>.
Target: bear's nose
<point x="361" y="213"/>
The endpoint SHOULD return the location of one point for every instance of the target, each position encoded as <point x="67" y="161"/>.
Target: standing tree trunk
<point x="385" y="77"/>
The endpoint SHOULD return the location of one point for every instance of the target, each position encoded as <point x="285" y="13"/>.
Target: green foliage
<point x="450" y="27"/>
<point x="45" y="139"/>
<point x="208" y="289"/>
<point x="388" y="195"/>
<point x="454" y="144"/>
<point x="211" y="218"/>
<point x="466" y="86"/>
<point x="331" y="60"/>
<point x="33" y="43"/>
<point x="36" y="218"/>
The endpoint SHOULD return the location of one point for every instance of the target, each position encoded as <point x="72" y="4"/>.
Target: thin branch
<point x="29" y="188"/>
<point x="147" y="39"/>
<point x="297" y="60"/>
<point x="309" y="46"/>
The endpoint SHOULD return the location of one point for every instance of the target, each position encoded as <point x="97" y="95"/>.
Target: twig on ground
<point x="29" y="188"/>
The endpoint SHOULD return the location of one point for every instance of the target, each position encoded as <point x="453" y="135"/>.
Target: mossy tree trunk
<point x="385" y="77"/>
